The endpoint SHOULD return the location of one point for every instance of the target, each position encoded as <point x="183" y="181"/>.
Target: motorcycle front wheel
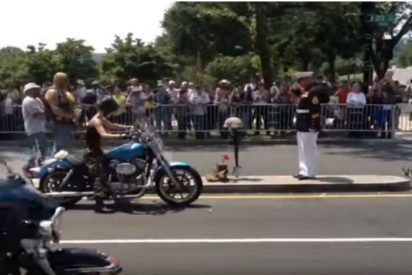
<point x="189" y="191"/>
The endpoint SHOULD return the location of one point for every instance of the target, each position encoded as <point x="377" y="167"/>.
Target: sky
<point x="28" y="22"/>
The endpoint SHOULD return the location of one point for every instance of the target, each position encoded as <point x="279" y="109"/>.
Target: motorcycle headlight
<point x="45" y="228"/>
<point x="50" y="229"/>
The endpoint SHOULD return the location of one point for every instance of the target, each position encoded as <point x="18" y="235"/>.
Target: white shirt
<point x="33" y="125"/>
<point x="137" y="99"/>
<point x="99" y="94"/>
<point x="8" y="106"/>
<point x="251" y="86"/>
<point x="199" y="101"/>
<point x="174" y="94"/>
<point x="80" y="93"/>
<point x="356" y="98"/>
<point x="258" y="98"/>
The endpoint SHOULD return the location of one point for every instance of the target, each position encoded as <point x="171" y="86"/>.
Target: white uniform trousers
<point x="308" y="153"/>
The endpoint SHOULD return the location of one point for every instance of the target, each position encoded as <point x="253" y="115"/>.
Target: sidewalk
<point x="329" y="183"/>
<point x="288" y="184"/>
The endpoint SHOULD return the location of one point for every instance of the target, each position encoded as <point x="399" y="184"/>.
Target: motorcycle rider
<point x="96" y="130"/>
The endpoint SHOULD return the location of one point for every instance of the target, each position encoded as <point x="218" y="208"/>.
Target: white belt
<point x="302" y="111"/>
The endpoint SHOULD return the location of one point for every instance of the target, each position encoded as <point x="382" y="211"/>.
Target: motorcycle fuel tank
<point x="127" y="151"/>
<point x="13" y="190"/>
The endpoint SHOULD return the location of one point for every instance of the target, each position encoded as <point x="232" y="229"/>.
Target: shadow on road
<point x="139" y="208"/>
<point x="390" y="152"/>
<point x="342" y="180"/>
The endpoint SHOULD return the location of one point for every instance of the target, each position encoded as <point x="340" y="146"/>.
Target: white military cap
<point x="233" y="123"/>
<point x="300" y="75"/>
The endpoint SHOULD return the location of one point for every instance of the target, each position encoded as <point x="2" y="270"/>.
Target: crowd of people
<point x="182" y="107"/>
<point x="169" y="105"/>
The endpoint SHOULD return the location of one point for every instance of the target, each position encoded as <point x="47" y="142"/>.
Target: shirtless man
<point x="61" y="111"/>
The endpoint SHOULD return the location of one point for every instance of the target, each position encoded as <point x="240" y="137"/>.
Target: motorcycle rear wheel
<point x="185" y="175"/>
<point x="45" y="187"/>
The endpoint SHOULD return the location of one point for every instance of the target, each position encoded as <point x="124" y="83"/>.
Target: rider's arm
<point x="114" y="126"/>
<point x="102" y="132"/>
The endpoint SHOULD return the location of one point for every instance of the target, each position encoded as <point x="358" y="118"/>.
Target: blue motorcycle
<point x="133" y="169"/>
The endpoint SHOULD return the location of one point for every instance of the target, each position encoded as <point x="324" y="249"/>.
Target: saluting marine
<point x="308" y="126"/>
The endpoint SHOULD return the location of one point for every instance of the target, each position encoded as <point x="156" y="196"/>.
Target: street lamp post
<point x="367" y="31"/>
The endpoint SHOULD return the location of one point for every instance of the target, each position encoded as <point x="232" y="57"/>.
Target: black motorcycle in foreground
<point x="28" y="223"/>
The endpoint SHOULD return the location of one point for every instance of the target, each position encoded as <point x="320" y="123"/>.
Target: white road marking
<point x="247" y="240"/>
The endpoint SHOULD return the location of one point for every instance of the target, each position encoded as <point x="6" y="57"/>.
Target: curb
<point x="402" y="184"/>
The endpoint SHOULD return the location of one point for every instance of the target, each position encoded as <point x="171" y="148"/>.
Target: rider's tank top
<point x="93" y="140"/>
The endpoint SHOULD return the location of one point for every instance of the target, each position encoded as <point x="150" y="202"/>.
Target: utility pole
<point x="367" y="9"/>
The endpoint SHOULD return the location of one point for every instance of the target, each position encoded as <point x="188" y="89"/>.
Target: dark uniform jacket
<point x="308" y="113"/>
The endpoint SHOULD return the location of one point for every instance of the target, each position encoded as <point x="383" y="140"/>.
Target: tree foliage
<point x="237" y="69"/>
<point x="130" y="57"/>
<point x="41" y="63"/>
<point x="383" y="52"/>
<point x="405" y="56"/>
<point x="76" y="59"/>
<point x="13" y="69"/>
<point x="204" y="30"/>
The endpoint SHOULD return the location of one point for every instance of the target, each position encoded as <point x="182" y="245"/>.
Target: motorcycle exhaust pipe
<point x="68" y="194"/>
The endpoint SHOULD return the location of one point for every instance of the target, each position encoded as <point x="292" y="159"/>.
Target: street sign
<point x="382" y="19"/>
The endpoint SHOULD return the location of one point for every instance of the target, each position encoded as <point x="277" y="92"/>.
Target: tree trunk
<point x="381" y="66"/>
<point x="199" y="67"/>
<point x="332" y="68"/>
<point x="261" y="44"/>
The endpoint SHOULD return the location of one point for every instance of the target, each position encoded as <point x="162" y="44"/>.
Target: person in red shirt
<point x="342" y="92"/>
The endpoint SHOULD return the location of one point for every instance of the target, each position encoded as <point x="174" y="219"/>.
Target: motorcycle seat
<point x="76" y="159"/>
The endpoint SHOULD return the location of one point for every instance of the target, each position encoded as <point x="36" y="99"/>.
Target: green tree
<point x="130" y="57"/>
<point x="308" y="34"/>
<point x="405" y="56"/>
<point x="382" y="52"/>
<point x="41" y="63"/>
<point x="76" y="59"/>
<point x="204" y="30"/>
<point x="236" y="69"/>
<point x="13" y="67"/>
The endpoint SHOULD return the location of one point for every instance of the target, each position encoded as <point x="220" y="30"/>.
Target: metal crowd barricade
<point x="357" y="119"/>
<point x="11" y="120"/>
<point x="204" y="120"/>
<point x="403" y="117"/>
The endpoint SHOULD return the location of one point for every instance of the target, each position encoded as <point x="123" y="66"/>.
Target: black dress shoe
<point x="297" y="176"/>
<point x="306" y="178"/>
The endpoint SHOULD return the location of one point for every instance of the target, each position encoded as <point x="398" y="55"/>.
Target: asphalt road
<point x="255" y="235"/>
<point x="363" y="158"/>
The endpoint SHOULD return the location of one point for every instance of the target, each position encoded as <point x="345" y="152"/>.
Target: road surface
<point x="363" y="158"/>
<point x="279" y="234"/>
<point x="283" y="234"/>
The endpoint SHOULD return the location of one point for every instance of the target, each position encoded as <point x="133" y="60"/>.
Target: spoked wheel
<point x="51" y="182"/>
<point x="189" y="190"/>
